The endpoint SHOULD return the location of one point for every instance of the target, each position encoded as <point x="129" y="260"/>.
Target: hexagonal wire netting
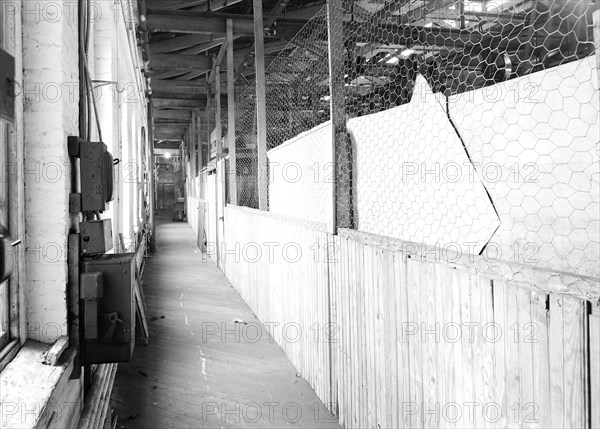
<point x="470" y="124"/>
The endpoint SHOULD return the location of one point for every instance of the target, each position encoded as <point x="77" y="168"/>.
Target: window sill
<point x="27" y="387"/>
<point x="8" y="353"/>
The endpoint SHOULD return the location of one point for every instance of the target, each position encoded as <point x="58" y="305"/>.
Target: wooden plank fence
<point x="409" y="341"/>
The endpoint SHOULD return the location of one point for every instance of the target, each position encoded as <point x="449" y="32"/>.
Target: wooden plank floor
<point x="202" y="369"/>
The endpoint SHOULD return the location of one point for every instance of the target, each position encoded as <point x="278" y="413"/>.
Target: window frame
<point x="10" y="177"/>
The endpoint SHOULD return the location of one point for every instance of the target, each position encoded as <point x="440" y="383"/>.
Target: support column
<point x="342" y="155"/>
<point x="261" y="105"/>
<point x="151" y="184"/>
<point x="208" y="122"/>
<point x="231" y="117"/>
<point x="193" y="141"/>
<point x="218" y="128"/>
<point x="200" y="154"/>
<point x="597" y="41"/>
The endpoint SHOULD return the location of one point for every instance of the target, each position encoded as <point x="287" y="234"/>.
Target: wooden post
<point x="200" y="154"/>
<point x="342" y="156"/>
<point x="231" y="117"/>
<point x="261" y="105"/>
<point x="208" y="122"/>
<point x="219" y="130"/>
<point x="152" y="184"/>
<point x="193" y="141"/>
<point x="596" y="16"/>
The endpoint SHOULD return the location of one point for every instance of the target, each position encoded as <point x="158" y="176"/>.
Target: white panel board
<point x="301" y="176"/>
<point x="413" y="178"/>
<point x="536" y="141"/>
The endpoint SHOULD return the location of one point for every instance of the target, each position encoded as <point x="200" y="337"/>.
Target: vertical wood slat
<point x="594" y="359"/>
<point x="525" y="337"/>
<point x="574" y="350"/>
<point x="541" y="359"/>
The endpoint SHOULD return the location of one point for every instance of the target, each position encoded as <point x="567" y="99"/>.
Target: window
<point x="10" y="147"/>
<point x="4" y="286"/>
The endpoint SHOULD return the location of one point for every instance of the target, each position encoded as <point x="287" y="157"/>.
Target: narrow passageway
<point x="209" y="362"/>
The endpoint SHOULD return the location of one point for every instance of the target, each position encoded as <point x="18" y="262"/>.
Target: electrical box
<point x="96" y="173"/>
<point x="92" y="289"/>
<point x="7" y="86"/>
<point x="115" y="336"/>
<point x="96" y="236"/>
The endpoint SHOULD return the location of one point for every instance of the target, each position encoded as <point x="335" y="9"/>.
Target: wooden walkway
<point x="209" y="363"/>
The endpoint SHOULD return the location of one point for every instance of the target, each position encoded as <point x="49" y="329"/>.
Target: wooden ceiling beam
<point x="203" y="47"/>
<point x="194" y="23"/>
<point x="167" y="74"/>
<point x="178" y="86"/>
<point x="193" y="4"/>
<point x="167" y="144"/>
<point x="165" y="103"/>
<point x="211" y="23"/>
<point x="178" y="95"/>
<point x="180" y="62"/>
<point x="216" y="5"/>
<point x="172" y="114"/>
<point x="179" y="42"/>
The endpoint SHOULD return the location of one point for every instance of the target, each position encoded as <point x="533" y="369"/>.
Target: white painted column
<point x="50" y="58"/>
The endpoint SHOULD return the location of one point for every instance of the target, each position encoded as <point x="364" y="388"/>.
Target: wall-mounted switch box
<point x="92" y="289"/>
<point x="116" y="309"/>
<point x="95" y="172"/>
<point x="7" y="86"/>
<point x="96" y="236"/>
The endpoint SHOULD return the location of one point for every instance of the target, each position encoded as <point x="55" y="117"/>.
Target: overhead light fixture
<point x="407" y="53"/>
<point x="393" y="60"/>
<point x="167" y="155"/>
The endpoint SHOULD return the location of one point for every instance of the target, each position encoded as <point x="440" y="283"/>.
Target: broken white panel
<point x="301" y="175"/>
<point x="536" y="140"/>
<point x="413" y="180"/>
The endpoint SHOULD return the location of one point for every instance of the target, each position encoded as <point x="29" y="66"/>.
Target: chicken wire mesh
<point x="296" y="100"/>
<point x="474" y="127"/>
<point x="471" y="124"/>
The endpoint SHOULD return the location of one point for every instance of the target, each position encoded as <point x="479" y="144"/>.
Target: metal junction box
<point x="96" y="173"/>
<point x="115" y="308"/>
<point x="96" y="236"/>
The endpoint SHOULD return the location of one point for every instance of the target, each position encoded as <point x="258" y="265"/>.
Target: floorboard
<point x="200" y="369"/>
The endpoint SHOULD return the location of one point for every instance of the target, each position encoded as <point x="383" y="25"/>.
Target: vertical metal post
<point x="193" y="140"/>
<point x="219" y="130"/>
<point x="200" y="154"/>
<point x="208" y="123"/>
<point x="231" y="117"/>
<point x="261" y="105"/>
<point x="151" y="184"/>
<point x="342" y="156"/>
<point x="596" y="17"/>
